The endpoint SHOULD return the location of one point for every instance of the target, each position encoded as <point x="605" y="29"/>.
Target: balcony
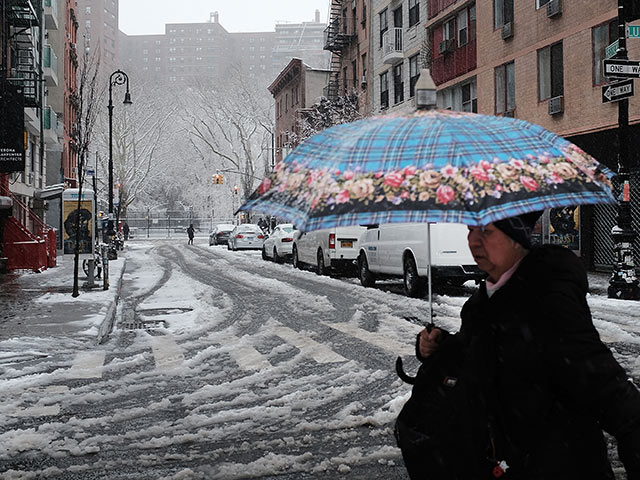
<point x="50" y="126"/>
<point x="392" y="49"/>
<point x="51" y="14"/>
<point x="50" y="66"/>
<point x="454" y="64"/>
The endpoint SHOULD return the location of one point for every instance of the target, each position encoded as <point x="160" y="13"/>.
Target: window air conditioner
<point x="508" y="113"/>
<point x="554" y="7"/>
<point x="556" y="105"/>
<point x="445" y="46"/>
<point x="507" y="30"/>
<point x="363" y="81"/>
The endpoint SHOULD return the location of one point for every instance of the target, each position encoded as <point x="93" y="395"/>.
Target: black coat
<point x="542" y="384"/>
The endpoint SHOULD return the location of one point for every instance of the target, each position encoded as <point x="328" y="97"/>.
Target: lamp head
<point x="127" y="99"/>
<point x="425" y="91"/>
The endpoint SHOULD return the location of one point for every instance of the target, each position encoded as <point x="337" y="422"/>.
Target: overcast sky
<point x="146" y="17"/>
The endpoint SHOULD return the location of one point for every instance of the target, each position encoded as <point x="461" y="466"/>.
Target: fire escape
<point x="337" y="38"/>
<point x="27" y="242"/>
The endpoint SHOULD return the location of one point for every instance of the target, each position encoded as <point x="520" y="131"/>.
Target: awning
<point x="51" y="191"/>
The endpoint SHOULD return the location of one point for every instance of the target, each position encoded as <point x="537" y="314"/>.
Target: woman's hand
<point x="429" y="341"/>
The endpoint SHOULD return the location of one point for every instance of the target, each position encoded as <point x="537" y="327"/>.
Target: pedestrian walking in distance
<point x="125" y="230"/>
<point x="190" y="232"/>
<point x="535" y="385"/>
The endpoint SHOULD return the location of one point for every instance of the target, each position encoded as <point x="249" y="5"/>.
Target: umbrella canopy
<point x="430" y="166"/>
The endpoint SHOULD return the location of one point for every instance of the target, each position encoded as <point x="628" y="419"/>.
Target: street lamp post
<point x="117" y="78"/>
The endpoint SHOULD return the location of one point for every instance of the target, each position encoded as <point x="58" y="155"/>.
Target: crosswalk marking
<point x="87" y="365"/>
<point x="247" y="357"/>
<point x="320" y="353"/>
<point x="377" y="339"/>
<point x="166" y="352"/>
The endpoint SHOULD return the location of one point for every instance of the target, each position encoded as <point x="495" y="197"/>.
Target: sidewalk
<point x="41" y="305"/>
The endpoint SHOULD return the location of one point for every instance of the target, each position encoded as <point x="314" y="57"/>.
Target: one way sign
<point x="617" y="91"/>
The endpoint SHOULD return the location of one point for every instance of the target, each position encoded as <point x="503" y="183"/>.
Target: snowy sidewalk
<point x="41" y="305"/>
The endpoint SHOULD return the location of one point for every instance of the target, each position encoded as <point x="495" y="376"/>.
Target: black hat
<point x="519" y="228"/>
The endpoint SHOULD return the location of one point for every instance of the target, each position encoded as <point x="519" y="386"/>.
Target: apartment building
<point x="189" y="53"/>
<point x="347" y="38"/>
<point x="304" y="40"/>
<point x="540" y="60"/>
<point x="98" y="31"/>
<point x="398" y="47"/>
<point x="296" y="89"/>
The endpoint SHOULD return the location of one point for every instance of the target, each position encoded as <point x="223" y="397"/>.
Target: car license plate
<point x="348" y="244"/>
<point x="250" y="239"/>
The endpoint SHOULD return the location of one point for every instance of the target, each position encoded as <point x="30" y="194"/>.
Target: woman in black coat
<point x="539" y="385"/>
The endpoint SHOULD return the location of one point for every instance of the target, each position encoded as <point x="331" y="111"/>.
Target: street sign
<point x="622" y="68"/>
<point x="617" y="91"/>
<point x="611" y="50"/>
<point x="633" y="31"/>
<point x="89" y="172"/>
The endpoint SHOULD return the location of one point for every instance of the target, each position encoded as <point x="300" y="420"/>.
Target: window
<point x="550" y="76"/>
<point x="469" y="98"/>
<point x="505" y="85"/>
<point x="397" y="17"/>
<point x="364" y="65"/>
<point x="463" y="28"/>
<point x="502" y="13"/>
<point x="398" y="84"/>
<point x="384" y="91"/>
<point x="414" y="12"/>
<point x="354" y="73"/>
<point x="364" y="14"/>
<point x="448" y="30"/>
<point x="603" y="36"/>
<point x="384" y="25"/>
<point x="345" y="82"/>
<point x="541" y="3"/>
<point x="414" y="73"/>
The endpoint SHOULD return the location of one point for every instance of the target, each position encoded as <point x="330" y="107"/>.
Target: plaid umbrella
<point x="429" y="166"/>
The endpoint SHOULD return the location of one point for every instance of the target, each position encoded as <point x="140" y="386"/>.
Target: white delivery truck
<point x="327" y="251"/>
<point x="402" y="250"/>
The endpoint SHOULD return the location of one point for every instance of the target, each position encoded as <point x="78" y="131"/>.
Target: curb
<point x="107" y="325"/>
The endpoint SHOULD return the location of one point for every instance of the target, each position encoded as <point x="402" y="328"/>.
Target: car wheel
<point x="321" y="269"/>
<point x="277" y="258"/>
<point x="367" y="278"/>
<point x="264" y="254"/>
<point x="414" y="285"/>
<point x="295" y="260"/>
<point x="228" y="246"/>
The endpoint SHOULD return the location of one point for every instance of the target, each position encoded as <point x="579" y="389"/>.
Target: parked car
<point x="246" y="236"/>
<point x="402" y="250"/>
<point x="328" y="250"/>
<point x="220" y="234"/>
<point x="278" y="246"/>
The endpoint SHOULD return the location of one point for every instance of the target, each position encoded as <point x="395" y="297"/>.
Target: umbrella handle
<point x="402" y="374"/>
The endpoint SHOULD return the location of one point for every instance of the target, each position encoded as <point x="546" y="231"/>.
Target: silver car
<point x="246" y="236"/>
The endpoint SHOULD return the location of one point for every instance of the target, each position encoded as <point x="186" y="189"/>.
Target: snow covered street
<point x="223" y="366"/>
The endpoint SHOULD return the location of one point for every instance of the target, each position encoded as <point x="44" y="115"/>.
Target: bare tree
<point x="140" y="137"/>
<point x="228" y="129"/>
<point x="88" y="98"/>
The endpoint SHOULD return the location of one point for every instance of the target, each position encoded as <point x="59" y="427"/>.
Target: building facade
<point x="296" y="89"/>
<point x="98" y="31"/>
<point x="398" y="47"/>
<point x="347" y="38"/>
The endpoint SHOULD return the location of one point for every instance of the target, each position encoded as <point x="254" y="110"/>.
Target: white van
<point x="328" y="250"/>
<point x="401" y="250"/>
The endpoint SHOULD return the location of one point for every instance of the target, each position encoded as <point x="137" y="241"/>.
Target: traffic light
<point x="218" y="179"/>
<point x="235" y="189"/>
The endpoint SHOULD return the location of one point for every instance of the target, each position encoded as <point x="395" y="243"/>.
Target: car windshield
<point x="287" y="229"/>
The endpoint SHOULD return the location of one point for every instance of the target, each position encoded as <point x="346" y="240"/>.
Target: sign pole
<point x="623" y="283"/>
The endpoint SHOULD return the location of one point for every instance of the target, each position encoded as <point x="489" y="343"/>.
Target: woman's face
<point x="493" y="251"/>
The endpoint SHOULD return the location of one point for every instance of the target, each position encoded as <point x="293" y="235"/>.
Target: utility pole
<point x="623" y="283"/>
